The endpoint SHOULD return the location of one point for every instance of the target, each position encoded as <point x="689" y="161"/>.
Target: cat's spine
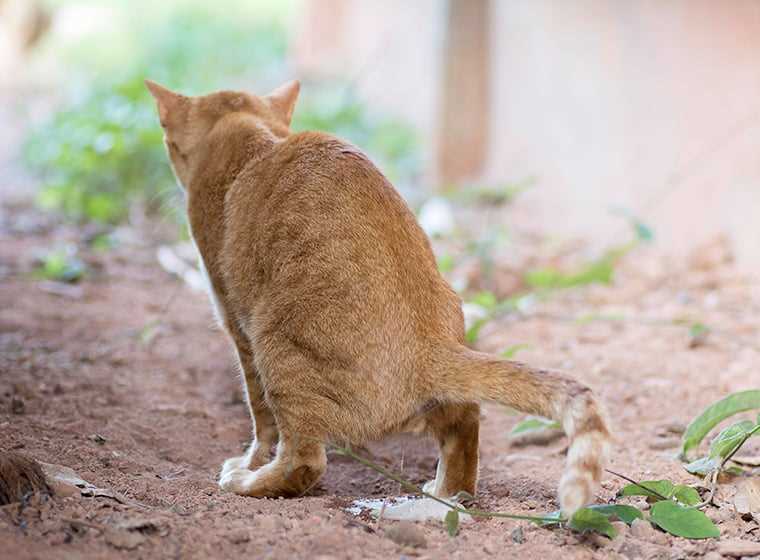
<point x="466" y="375"/>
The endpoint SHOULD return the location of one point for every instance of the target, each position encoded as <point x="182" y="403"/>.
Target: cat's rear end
<point x="343" y="324"/>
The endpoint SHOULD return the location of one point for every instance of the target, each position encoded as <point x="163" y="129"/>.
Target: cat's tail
<point x="466" y="375"/>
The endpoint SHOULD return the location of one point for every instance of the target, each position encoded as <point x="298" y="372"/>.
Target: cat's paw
<point x="235" y="463"/>
<point x="237" y="480"/>
<point x="429" y="487"/>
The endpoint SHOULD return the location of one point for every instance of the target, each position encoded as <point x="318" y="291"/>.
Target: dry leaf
<point x="747" y="498"/>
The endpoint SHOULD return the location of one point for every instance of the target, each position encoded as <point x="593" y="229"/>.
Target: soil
<point x="124" y="378"/>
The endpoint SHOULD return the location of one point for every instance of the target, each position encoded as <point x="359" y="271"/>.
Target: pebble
<point x="518" y="536"/>
<point x="239" y="536"/>
<point x="665" y="443"/>
<point x="738" y="549"/>
<point x="643" y="530"/>
<point x="17" y="405"/>
<point x="621" y="528"/>
<point x="406" y="533"/>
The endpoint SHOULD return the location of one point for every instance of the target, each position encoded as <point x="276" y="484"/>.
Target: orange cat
<point x="328" y="288"/>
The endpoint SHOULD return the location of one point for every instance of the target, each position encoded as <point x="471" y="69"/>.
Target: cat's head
<point x="188" y="121"/>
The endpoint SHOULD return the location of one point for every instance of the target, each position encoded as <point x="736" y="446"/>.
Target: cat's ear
<point x="283" y="100"/>
<point x="166" y="100"/>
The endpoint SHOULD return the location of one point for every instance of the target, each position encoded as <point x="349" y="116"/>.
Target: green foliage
<point x="625" y="513"/>
<point x="486" y="300"/>
<point x="452" y="522"/>
<point x="698" y="330"/>
<point x="723" y="446"/>
<point x="533" y="424"/>
<point x="683" y="521"/>
<point x="103" y="152"/>
<point x="445" y="263"/>
<point x="61" y="265"/>
<point x="655" y="490"/>
<point x="587" y="519"/>
<point x="472" y="333"/>
<point x="599" y="271"/>
<point x="495" y="195"/>
<point x="715" y="414"/>
<point x="338" y="111"/>
<point x="511" y="351"/>
<point x="100" y="154"/>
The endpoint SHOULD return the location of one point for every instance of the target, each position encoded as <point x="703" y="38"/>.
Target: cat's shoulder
<point x="306" y="146"/>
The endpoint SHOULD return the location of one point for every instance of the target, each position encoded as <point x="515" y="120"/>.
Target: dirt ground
<point x="124" y="379"/>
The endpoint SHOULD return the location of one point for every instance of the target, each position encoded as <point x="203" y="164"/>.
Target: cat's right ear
<point x="166" y="100"/>
<point x="283" y="100"/>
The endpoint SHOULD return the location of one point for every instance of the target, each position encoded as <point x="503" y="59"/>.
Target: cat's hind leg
<point x="456" y="428"/>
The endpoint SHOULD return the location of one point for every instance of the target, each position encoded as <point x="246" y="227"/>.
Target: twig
<point x="411" y="487"/>
<point x="657" y="494"/>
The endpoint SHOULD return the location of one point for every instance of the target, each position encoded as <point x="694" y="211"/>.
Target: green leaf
<point x="643" y="231"/>
<point x="716" y="413"/>
<point x="485" y="299"/>
<point x="550" y="519"/>
<point x="471" y="336"/>
<point x="511" y="351"/>
<point x="586" y="519"/>
<point x="452" y="522"/>
<point x="703" y="466"/>
<point x="446" y="263"/>
<point x="649" y="488"/>
<point x="627" y="514"/>
<point x="534" y="424"/>
<point x="683" y="522"/>
<point x="686" y="495"/>
<point x="725" y="442"/>
<point x="698" y="330"/>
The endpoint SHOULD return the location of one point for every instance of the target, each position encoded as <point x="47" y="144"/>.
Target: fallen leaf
<point x="62" y="477"/>
<point x="747" y="498"/>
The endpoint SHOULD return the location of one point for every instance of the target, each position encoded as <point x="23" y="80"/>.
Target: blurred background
<point x="521" y="132"/>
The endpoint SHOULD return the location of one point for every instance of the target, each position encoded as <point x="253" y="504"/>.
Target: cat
<point x="343" y="326"/>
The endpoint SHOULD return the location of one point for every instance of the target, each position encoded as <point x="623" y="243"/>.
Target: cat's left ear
<point x="166" y="100"/>
<point x="283" y="100"/>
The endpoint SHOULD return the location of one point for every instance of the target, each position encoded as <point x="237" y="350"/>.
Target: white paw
<point x="235" y="463"/>
<point x="237" y="480"/>
<point x="429" y="487"/>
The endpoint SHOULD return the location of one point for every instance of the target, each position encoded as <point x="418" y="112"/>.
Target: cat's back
<point x="314" y="185"/>
<point x="316" y="222"/>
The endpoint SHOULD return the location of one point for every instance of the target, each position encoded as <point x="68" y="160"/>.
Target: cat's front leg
<point x="265" y="429"/>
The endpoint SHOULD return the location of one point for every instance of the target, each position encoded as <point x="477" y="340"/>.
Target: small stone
<point x="665" y="443"/>
<point x="97" y="438"/>
<point x="267" y="523"/>
<point x="239" y="536"/>
<point x="518" y="536"/>
<point x="643" y="530"/>
<point x="17" y="405"/>
<point x="126" y="540"/>
<point x="406" y="533"/>
<point x="676" y="428"/>
<point x="600" y="540"/>
<point x="621" y="528"/>
<point x="738" y="549"/>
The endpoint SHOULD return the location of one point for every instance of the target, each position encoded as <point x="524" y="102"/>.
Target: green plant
<point x="672" y="510"/>
<point x="102" y="152"/>
<point x="61" y="265"/>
